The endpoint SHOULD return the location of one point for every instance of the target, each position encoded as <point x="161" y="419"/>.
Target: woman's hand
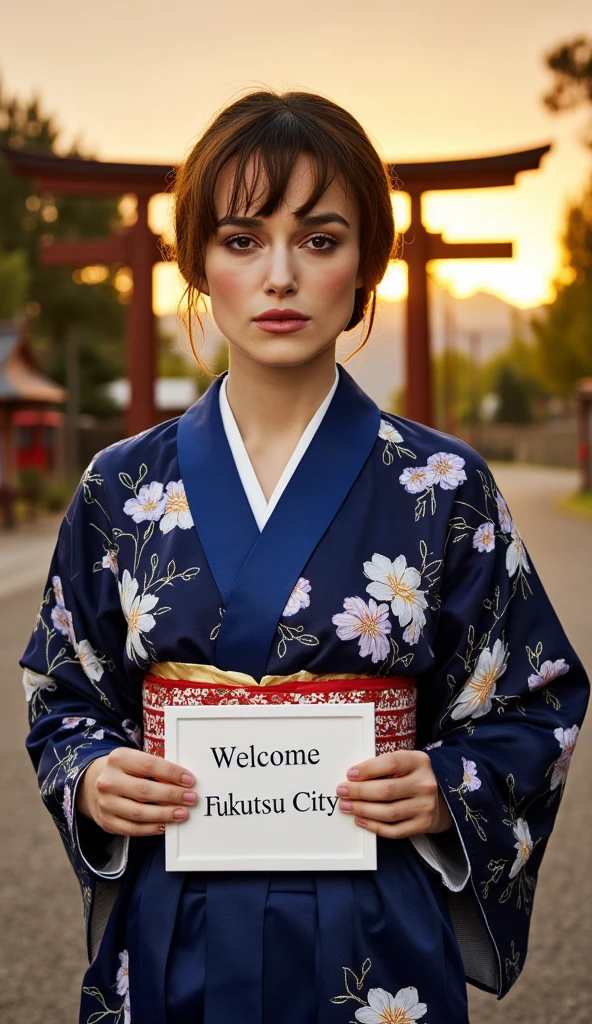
<point x="130" y="793"/>
<point x="395" y="795"/>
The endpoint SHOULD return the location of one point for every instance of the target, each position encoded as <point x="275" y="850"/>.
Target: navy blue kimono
<point x="390" y="553"/>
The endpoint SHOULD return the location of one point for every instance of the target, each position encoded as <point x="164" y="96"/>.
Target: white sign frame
<point x="341" y="735"/>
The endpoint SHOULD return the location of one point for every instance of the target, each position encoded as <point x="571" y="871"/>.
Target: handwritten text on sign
<point x="266" y="780"/>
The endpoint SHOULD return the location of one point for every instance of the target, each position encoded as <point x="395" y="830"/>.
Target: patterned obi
<point x="180" y="683"/>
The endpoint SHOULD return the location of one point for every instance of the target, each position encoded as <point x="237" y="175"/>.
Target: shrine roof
<point x="467" y="172"/>
<point x="20" y="380"/>
<point x="85" y="177"/>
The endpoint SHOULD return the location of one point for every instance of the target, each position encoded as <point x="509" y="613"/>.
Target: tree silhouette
<point x="564" y="334"/>
<point x="571" y="64"/>
<point x="50" y="297"/>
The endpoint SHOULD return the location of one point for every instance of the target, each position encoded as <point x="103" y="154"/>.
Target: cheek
<point x="228" y="284"/>
<point x="335" y="282"/>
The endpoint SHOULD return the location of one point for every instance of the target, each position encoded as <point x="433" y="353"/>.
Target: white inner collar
<point x="261" y="508"/>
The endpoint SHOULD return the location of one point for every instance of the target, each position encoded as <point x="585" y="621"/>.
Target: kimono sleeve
<point x="81" y="704"/>
<point x="499" y="716"/>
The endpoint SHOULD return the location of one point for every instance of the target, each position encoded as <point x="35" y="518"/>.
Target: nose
<point x="280" y="278"/>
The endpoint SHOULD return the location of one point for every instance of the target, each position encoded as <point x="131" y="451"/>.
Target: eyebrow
<point x="311" y="221"/>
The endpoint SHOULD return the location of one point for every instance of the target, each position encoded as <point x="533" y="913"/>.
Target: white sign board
<point x="266" y="780"/>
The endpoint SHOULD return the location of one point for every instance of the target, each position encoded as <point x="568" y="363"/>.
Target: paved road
<point x="41" y="937"/>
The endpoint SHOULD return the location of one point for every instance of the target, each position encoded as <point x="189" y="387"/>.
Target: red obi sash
<point x="394" y="698"/>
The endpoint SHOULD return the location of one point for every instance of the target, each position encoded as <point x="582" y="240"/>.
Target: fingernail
<point x="179" y="812"/>
<point x="361" y="822"/>
<point x="345" y="805"/>
<point x="353" y="773"/>
<point x="187" y="780"/>
<point x="190" y="798"/>
<point x="343" y="791"/>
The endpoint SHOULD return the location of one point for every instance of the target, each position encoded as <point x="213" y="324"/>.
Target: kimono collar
<point x="255" y="571"/>
<point x="260" y="507"/>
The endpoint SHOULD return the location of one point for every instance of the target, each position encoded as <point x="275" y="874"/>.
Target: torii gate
<point x="137" y="247"/>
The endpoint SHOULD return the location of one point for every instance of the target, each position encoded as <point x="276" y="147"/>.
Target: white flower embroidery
<point x="149" y="504"/>
<point x="384" y="1008"/>
<point x="416" y="478"/>
<point x="72" y="722"/>
<point x="33" y="681"/>
<point x="516" y="554"/>
<point x="369" y="622"/>
<point x="476" y="698"/>
<point x="62" y="620"/>
<point x="434" y="745"/>
<point x="177" y="511"/>
<point x="548" y="671"/>
<point x="110" y="562"/>
<point x="471" y="780"/>
<point x="89" y="661"/>
<point x="398" y="583"/>
<point x="567" y="739"/>
<point x="122" y="983"/>
<point x="136" y="611"/>
<point x="298" y="598"/>
<point x="447" y="470"/>
<point x="388" y="432"/>
<point x="524" y="846"/>
<point x="58" y="590"/>
<point x="484" y="537"/>
<point x="413" y="631"/>
<point x="505" y="519"/>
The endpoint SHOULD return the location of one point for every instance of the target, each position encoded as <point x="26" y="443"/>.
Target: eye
<point x="238" y="238"/>
<point x="332" y="243"/>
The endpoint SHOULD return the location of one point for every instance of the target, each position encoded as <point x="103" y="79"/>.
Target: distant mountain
<point x="379" y="367"/>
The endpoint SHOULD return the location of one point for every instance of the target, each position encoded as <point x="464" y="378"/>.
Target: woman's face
<point x="279" y="263"/>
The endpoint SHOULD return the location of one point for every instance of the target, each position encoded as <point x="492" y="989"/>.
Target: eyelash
<point x="326" y="238"/>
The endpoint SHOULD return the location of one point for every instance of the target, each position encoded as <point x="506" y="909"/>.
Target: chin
<point x="282" y="353"/>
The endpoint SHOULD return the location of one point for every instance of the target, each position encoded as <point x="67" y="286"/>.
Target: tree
<point x="52" y="298"/>
<point x="564" y="335"/>
<point x="571" y="65"/>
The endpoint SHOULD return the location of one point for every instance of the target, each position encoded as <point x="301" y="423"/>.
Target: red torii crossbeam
<point x="137" y="247"/>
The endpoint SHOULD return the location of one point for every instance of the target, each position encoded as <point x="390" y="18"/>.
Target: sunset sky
<point x="139" y="81"/>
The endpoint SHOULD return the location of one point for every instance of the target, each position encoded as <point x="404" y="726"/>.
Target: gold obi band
<point x="183" y="684"/>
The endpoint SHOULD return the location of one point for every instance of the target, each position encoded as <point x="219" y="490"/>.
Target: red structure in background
<point x="137" y="247"/>
<point x="35" y="446"/>
<point x="30" y="428"/>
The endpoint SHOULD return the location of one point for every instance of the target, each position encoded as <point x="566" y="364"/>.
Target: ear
<point x="202" y="284"/>
<point x="359" y="281"/>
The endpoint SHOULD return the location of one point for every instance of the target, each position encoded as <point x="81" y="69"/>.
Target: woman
<point x="283" y="528"/>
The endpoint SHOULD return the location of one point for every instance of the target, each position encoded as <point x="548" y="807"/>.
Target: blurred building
<point x="31" y="428"/>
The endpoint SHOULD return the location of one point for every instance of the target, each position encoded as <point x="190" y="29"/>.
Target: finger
<point x="144" y="814"/>
<point x="398" y="830"/>
<point x="398" y="762"/>
<point x="397" y="811"/>
<point x="122" y="827"/>
<point x="378" y="789"/>
<point x="147" y="791"/>
<point x="137" y="762"/>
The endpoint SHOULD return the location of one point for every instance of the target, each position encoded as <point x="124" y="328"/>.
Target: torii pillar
<point x="421" y="246"/>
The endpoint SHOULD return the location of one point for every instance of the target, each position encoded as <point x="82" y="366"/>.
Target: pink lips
<point x="281" y="321"/>
<point x="281" y="326"/>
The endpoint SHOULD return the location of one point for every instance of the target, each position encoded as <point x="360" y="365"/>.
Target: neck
<point x="270" y="403"/>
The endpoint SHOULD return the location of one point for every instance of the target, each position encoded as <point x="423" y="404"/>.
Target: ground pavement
<point x="41" y="938"/>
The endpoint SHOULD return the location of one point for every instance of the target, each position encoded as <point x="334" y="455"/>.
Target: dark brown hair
<point x="275" y="128"/>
